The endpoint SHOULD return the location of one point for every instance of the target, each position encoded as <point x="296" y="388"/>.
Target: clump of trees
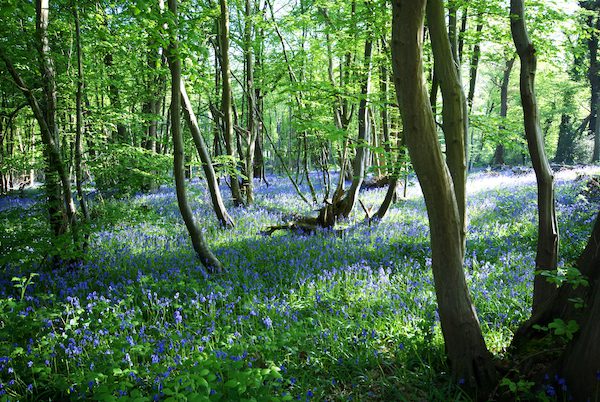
<point x="93" y="95"/>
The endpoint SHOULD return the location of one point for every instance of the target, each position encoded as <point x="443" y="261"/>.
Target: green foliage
<point x="560" y="328"/>
<point x="518" y="388"/>
<point x="123" y="170"/>
<point x="561" y="275"/>
<point x="23" y="283"/>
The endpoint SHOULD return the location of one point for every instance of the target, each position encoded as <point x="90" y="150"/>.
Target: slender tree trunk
<point x="385" y="123"/>
<point x="388" y="199"/>
<point x="454" y="113"/>
<point x="209" y="172"/>
<point x="463" y="29"/>
<point x="115" y="100"/>
<point x="547" y="246"/>
<point x="79" y="117"/>
<point x="473" y="67"/>
<point x="63" y="215"/>
<point x="251" y="126"/>
<point x="468" y="356"/>
<point x="593" y="23"/>
<point x="207" y="258"/>
<point x="49" y="114"/>
<point x="363" y="141"/>
<point x="226" y="100"/>
<point x="452" y="27"/>
<point x="259" y="160"/>
<point x="499" y="152"/>
<point x="566" y="137"/>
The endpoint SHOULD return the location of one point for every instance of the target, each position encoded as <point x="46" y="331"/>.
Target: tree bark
<point x="473" y="66"/>
<point x="63" y="215"/>
<point x="251" y="126"/>
<point x="468" y="356"/>
<point x="79" y="116"/>
<point x="344" y="206"/>
<point x="454" y="112"/>
<point x="209" y="171"/>
<point x="208" y="259"/>
<point x="499" y="152"/>
<point x="593" y="23"/>
<point x="547" y="245"/>
<point x="578" y="360"/>
<point x="226" y="101"/>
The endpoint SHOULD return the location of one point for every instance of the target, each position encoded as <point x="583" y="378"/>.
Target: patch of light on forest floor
<point x="485" y="181"/>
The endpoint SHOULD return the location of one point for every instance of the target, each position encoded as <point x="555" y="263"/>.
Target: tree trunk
<point x="251" y="126"/>
<point x="259" y="160"/>
<point x="208" y="259"/>
<point x="473" y="66"/>
<point x="499" y="152"/>
<point x="463" y="28"/>
<point x="209" y="172"/>
<point x="578" y="360"/>
<point x="593" y="22"/>
<point x="115" y="100"/>
<point x="79" y="117"/>
<point x="344" y="206"/>
<point x="468" y="356"/>
<point x="454" y="112"/>
<point x="547" y="246"/>
<point x="226" y="101"/>
<point x="566" y="139"/>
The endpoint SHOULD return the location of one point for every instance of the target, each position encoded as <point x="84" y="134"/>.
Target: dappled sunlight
<point x="297" y="313"/>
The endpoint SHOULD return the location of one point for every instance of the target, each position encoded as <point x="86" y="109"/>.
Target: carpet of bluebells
<point x="327" y="316"/>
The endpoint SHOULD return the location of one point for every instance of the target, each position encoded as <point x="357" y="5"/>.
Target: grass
<point x="321" y="317"/>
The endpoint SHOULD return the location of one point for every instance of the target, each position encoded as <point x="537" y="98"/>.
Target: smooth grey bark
<point x="469" y="359"/>
<point x="548" y="239"/>
<point x="208" y="259"/>
<point x="454" y="112"/>
<point x="226" y="106"/>
<point x="207" y="166"/>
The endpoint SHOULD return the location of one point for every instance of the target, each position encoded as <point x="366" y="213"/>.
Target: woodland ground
<point x="322" y="316"/>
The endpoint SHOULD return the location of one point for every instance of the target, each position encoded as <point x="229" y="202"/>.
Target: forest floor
<point x="322" y="316"/>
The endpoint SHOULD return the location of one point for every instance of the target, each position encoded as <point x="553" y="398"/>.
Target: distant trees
<point x="593" y="74"/>
<point x="61" y="207"/>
